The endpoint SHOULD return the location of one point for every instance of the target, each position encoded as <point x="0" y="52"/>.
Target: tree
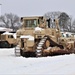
<point x="5" y="20"/>
<point x="63" y="20"/>
<point x="73" y="25"/>
<point x="10" y="20"/>
<point x="52" y="16"/>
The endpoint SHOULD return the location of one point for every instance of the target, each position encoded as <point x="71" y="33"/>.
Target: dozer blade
<point x="52" y="44"/>
<point x="53" y="52"/>
<point x="59" y="52"/>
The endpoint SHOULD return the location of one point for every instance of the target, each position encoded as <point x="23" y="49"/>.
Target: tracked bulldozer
<point x="36" y="38"/>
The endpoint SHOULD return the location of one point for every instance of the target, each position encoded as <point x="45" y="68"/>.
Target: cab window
<point x="10" y="36"/>
<point x="67" y="35"/>
<point x="31" y="23"/>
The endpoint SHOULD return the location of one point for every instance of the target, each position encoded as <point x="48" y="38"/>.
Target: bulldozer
<point x="7" y="40"/>
<point x="36" y="38"/>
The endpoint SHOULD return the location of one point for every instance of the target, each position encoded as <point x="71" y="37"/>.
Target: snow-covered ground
<point x="56" y="65"/>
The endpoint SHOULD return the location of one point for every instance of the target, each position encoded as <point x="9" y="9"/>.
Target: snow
<point x="38" y="29"/>
<point x="29" y="37"/>
<point x="5" y="29"/>
<point x="14" y="35"/>
<point x="7" y="33"/>
<point x="56" y="65"/>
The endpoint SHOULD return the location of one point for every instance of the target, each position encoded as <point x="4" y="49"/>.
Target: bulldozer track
<point x="42" y="45"/>
<point x="17" y="50"/>
<point x="39" y="49"/>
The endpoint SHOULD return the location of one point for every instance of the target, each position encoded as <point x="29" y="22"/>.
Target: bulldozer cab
<point x="38" y="21"/>
<point x="32" y="22"/>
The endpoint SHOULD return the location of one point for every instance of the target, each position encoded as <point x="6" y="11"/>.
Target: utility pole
<point x="0" y="9"/>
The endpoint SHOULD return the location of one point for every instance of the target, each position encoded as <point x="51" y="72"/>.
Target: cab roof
<point x="31" y="17"/>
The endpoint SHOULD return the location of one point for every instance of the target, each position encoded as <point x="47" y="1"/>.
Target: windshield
<point x="31" y="23"/>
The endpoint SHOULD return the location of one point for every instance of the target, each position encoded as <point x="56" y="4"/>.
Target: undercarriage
<point x="46" y="47"/>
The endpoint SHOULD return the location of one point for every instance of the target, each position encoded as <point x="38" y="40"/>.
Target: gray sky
<point x="37" y="7"/>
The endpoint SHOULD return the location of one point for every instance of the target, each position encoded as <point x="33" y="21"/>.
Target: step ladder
<point x="17" y="50"/>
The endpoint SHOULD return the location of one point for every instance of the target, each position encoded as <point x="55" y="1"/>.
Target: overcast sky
<point x="37" y="7"/>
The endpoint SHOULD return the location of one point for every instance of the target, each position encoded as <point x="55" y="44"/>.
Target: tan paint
<point x="53" y="33"/>
<point x="9" y="38"/>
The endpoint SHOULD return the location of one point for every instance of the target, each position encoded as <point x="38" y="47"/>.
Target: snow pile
<point x="29" y="37"/>
<point x="38" y="29"/>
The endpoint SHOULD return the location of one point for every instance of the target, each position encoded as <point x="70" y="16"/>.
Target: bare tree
<point x="73" y="25"/>
<point x="10" y="20"/>
<point x="52" y="16"/>
<point x="63" y="20"/>
<point x="5" y="20"/>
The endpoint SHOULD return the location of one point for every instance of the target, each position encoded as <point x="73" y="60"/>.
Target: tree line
<point x="10" y="21"/>
<point x="66" y="22"/>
